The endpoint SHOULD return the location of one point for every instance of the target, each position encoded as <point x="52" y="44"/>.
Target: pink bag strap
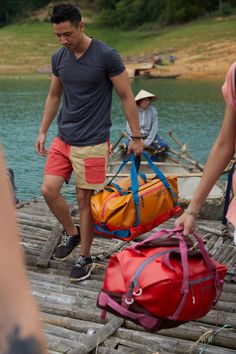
<point x="149" y="322"/>
<point x="208" y="260"/>
<point x="179" y="230"/>
<point x="184" y="260"/>
<point x="160" y="233"/>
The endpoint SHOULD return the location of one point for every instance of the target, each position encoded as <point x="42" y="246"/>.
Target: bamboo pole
<point x="50" y="246"/>
<point x="181" y="145"/>
<point x="193" y="162"/>
<point x="92" y="342"/>
<point x="214" y="231"/>
<point x="152" y="175"/>
<point x="190" y="331"/>
<point x="173" y="345"/>
<point x="156" y="163"/>
<point x="122" y="136"/>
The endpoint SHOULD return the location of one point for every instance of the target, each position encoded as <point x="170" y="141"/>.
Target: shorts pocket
<point x="95" y="172"/>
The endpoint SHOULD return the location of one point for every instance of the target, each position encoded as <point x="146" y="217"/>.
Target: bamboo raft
<point x="72" y="322"/>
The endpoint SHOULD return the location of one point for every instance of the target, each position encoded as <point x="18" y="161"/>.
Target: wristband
<point x="136" y="137"/>
<point x="192" y="213"/>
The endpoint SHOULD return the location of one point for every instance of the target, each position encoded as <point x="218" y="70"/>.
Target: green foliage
<point x="226" y="9"/>
<point x="130" y="13"/>
<point x="133" y="13"/>
<point x="11" y="9"/>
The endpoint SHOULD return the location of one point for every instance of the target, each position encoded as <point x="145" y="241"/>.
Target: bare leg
<point x="51" y="192"/>
<point x="86" y="221"/>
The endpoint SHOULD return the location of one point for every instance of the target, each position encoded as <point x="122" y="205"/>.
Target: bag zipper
<point x="197" y="281"/>
<point x="134" y="282"/>
<point x="106" y="201"/>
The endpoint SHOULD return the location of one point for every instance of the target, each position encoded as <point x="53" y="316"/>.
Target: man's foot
<point x="82" y="269"/>
<point x="67" y="245"/>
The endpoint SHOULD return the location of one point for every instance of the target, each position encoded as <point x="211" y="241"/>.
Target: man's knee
<point x="49" y="192"/>
<point x="51" y="187"/>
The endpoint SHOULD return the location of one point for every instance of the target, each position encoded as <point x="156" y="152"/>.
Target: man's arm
<point x="122" y="86"/>
<point x="50" y="110"/>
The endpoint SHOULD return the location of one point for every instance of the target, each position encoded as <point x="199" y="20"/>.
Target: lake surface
<point x="193" y="110"/>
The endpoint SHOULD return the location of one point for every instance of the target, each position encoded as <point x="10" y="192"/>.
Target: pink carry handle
<point x="179" y="231"/>
<point x="160" y="233"/>
<point x="208" y="260"/>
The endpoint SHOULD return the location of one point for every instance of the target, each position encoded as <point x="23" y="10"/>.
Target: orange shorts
<point x="89" y="163"/>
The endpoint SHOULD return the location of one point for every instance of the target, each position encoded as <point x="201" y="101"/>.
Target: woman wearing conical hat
<point x="148" y="121"/>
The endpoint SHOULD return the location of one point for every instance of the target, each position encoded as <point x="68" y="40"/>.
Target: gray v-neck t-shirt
<point x="85" y="115"/>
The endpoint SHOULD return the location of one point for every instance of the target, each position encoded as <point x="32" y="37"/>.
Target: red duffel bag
<point x="162" y="282"/>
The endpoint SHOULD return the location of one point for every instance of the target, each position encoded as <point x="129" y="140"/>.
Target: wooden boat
<point x="181" y="164"/>
<point x="153" y="75"/>
<point x="146" y="70"/>
<point x="71" y="321"/>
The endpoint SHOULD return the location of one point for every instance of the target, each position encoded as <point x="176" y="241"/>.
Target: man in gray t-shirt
<point x="85" y="70"/>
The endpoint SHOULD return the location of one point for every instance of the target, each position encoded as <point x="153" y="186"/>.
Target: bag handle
<point x="135" y="183"/>
<point x="120" y="168"/>
<point x="155" y="169"/>
<point x="159" y="233"/>
<point x="178" y="231"/>
<point x="159" y="174"/>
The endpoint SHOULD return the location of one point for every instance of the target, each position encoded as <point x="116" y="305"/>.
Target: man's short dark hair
<point x="65" y="12"/>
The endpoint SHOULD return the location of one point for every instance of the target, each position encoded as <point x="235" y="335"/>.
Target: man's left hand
<point x="136" y="146"/>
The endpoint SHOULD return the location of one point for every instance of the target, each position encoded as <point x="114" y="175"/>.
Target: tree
<point x="11" y="9"/>
<point x="133" y="13"/>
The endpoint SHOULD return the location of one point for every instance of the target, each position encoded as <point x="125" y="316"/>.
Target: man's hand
<point x="39" y="145"/>
<point x="135" y="146"/>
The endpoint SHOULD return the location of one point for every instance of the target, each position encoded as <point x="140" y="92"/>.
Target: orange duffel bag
<point x="135" y="205"/>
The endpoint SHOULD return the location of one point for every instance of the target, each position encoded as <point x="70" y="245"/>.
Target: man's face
<point x="68" y="34"/>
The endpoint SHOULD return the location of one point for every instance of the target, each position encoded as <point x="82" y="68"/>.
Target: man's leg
<point x="89" y="165"/>
<point x="86" y="221"/>
<point x="84" y="265"/>
<point x="51" y="191"/>
<point x="51" y="188"/>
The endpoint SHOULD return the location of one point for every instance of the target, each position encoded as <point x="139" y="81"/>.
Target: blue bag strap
<point x="135" y="188"/>
<point x="135" y="163"/>
<point x="143" y="176"/>
<point x="118" y="233"/>
<point x="120" y="190"/>
<point x="160" y="175"/>
<point x="122" y="165"/>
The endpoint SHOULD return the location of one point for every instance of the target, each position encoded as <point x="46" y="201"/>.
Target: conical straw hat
<point x="145" y="94"/>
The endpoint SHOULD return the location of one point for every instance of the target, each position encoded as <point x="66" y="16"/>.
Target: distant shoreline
<point x="175" y="70"/>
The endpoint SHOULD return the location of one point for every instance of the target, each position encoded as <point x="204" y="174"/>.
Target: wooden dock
<point x="72" y="322"/>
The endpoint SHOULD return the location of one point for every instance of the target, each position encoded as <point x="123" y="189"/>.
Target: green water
<point x="193" y="110"/>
